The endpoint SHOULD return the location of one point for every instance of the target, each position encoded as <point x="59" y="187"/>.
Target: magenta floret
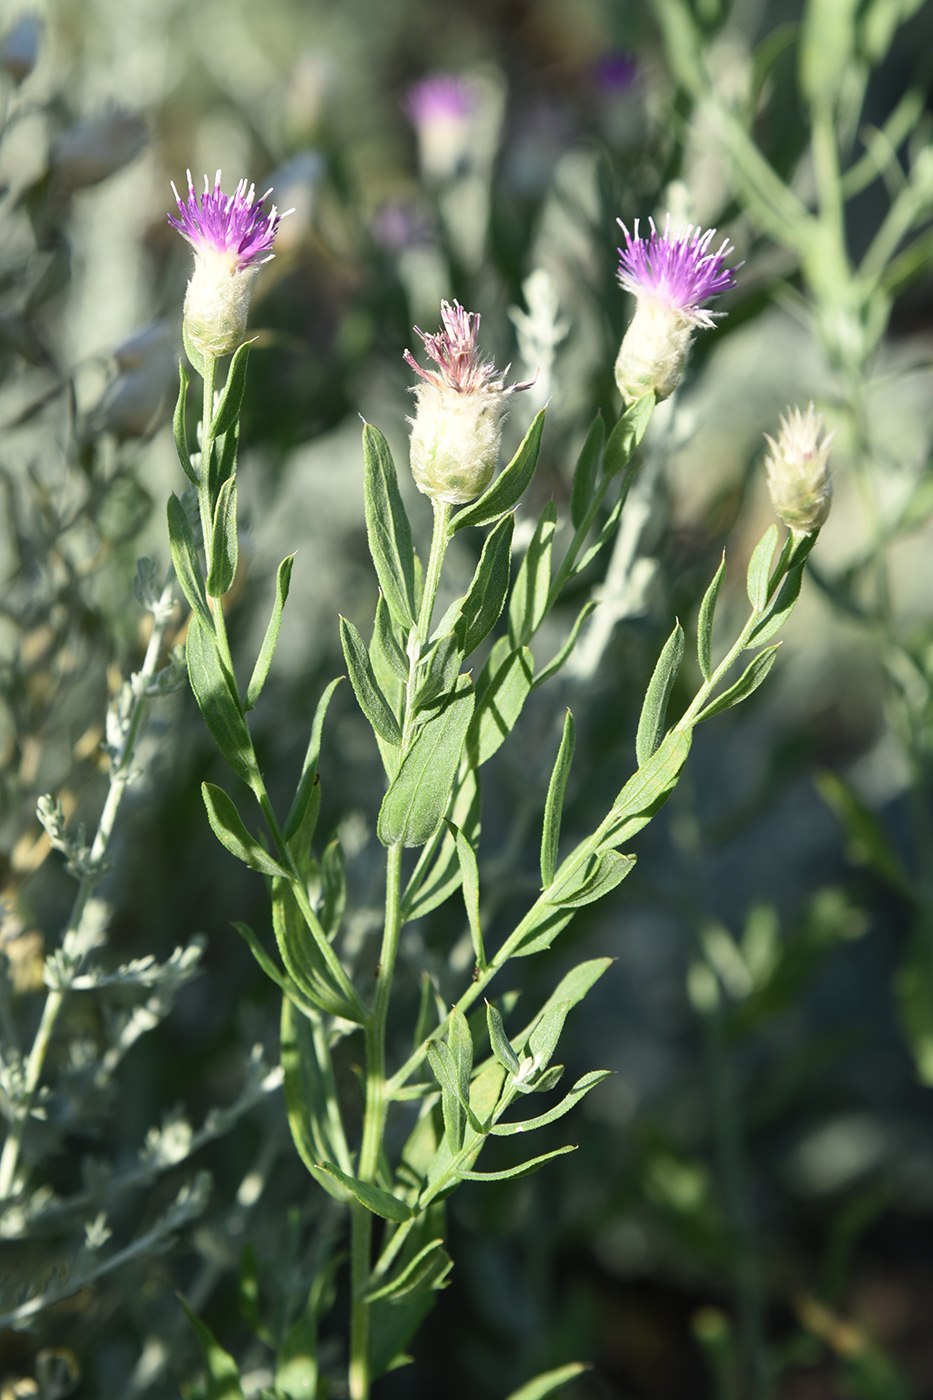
<point x="455" y="351"/>
<point x="682" y="272"/>
<point x="439" y="97"/>
<point x="236" y="224"/>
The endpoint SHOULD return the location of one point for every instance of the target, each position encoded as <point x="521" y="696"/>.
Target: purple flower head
<point x="455" y="351"/>
<point x="440" y="97"/>
<point x="680" y="272"/>
<point x="615" y="72"/>
<point x="235" y="226"/>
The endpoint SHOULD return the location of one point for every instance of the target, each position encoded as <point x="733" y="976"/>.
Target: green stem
<point x="374" y="1113"/>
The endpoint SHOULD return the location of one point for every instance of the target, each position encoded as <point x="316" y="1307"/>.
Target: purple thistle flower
<point x="457" y="428"/>
<point x="235" y="225"/>
<point x="679" y="272"/>
<point x="439" y="97"/>
<point x="232" y="236"/>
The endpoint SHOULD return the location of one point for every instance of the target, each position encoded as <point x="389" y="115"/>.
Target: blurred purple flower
<point x="439" y="97"/>
<point x="614" y="73"/>
<point x="442" y="109"/>
<point x="679" y="272"/>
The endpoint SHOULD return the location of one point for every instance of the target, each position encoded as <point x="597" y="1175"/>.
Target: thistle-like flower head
<point x="458" y="423"/>
<point x="439" y="97"/>
<point x="681" y="273"/>
<point x="232" y="236"/>
<point x="799" y="478"/>
<point x="234" y="227"/>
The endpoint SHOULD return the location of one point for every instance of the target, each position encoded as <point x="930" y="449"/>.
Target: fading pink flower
<point x="442" y="108"/>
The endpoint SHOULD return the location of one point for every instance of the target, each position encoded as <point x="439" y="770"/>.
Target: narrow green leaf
<point x="528" y="604"/>
<point x="653" y="716"/>
<point x="868" y="842"/>
<point x="427" y="1010"/>
<point x="500" y="705"/>
<point x="759" y="568"/>
<point x="586" y="473"/>
<point x="582" y="1087"/>
<point x="749" y="681"/>
<point x="627" y="434"/>
<point x="257" y="680"/>
<point x="572" y="988"/>
<point x="553" y="807"/>
<point x="418" y="795"/>
<point x="185" y="560"/>
<point x="554" y="665"/>
<point x="438" y="670"/>
<point x="460" y="1043"/>
<point x="223" y="1374"/>
<point x="365" y="686"/>
<point x="227" y="826"/>
<point x="825" y="48"/>
<point x="587" y="884"/>
<point x="223" y="458"/>
<point x="485" y="598"/>
<point x="389" y="660"/>
<point x="284" y="983"/>
<point x="380" y="1202"/>
<point x="334" y="888"/>
<point x="452" y="1106"/>
<point x="223" y="541"/>
<point x="548" y="1382"/>
<point x="231" y="398"/>
<point x="437" y="873"/>
<point x="547" y="923"/>
<point x="705" y="620"/>
<point x="783" y="604"/>
<point x="508" y="488"/>
<point x="296" y="1369"/>
<point x="499" y="1041"/>
<point x="427" y="1270"/>
<point x="304" y="958"/>
<point x="525" y="1169"/>
<point x="214" y="691"/>
<point x="469" y="877"/>
<point x="191" y="350"/>
<point x="648" y="789"/>
<point x="542" y="1042"/>
<point x="180" y="427"/>
<point x="302" y="815"/>
<point x="310" y="1097"/>
<point x="388" y="529"/>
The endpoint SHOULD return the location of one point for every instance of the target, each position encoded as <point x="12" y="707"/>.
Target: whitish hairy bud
<point x="232" y="236"/>
<point x="457" y="427"/>
<point x="670" y="277"/>
<point x="799" y="478"/>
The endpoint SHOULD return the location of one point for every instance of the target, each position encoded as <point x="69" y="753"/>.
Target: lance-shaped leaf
<point x="548" y="1382"/>
<point x="783" y="604"/>
<point x="586" y="472"/>
<point x="469" y="877"/>
<point x="224" y="549"/>
<point x="281" y="980"/>
<point x="501" y="702"/>
<point x="334" y="888"/>
<point x="185" y="561"/>
<point x="296" y="1368"/>
<point x="372" y="702"/>
<point x="438" y="872"/>
<point x="302" y="815"/>
<point x="388" y="528"/>
<point x="627" y="434"/>
<point x="223" y="458"/>
<point x="590" y="881"/>
<point x="479" y="611"/>
<point x="654" y="710"/>
<point x="759" y="568"/>
<point x="557" y="661"/>
<point x="749" y="681"/>
<point x="227" y="826"/>
<point x="380" y="1202"/>
<point x="180" y="426"/>
<point x="705" y="621"/>
<point x="438" y="670"/>
<point x="570" y="991"/>
<point x="390" y="664"/>
<point x="223" y="1375"/>
<point x="232" y="397"/>
<point x="257" y="680"/>
<point x="581" y="1088"/>
<point x="648" y="789"/>
<point x="509" y="487"/>
<point x="426" y="1271"/>
<point x="214" y="691"/>
<point x="305" y="958"/>
<point x="418" y="795"/>
<point x="452" y="1107"/>
<point x="546" y="1033"/>
<point x="525" y="1169"/>
<point x="311" y="1099"/>
<point x="553" y="807"/>
<point x="528" y="604"/>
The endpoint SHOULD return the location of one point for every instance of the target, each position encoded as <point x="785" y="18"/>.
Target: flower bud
<point x="799" y="478"/>
<point x="669" y="277"/>
<point x="19" y="47"/>
<point x="457" y="427"/>
<point x="232" y="236"/>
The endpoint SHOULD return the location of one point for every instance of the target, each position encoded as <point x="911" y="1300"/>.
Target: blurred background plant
<point x="750" y="1211"/>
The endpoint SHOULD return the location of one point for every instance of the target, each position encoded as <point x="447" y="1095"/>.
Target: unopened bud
<point x="19" y="47"/>
<point x="799" y="478"/>
<point x="457" y="427"/>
